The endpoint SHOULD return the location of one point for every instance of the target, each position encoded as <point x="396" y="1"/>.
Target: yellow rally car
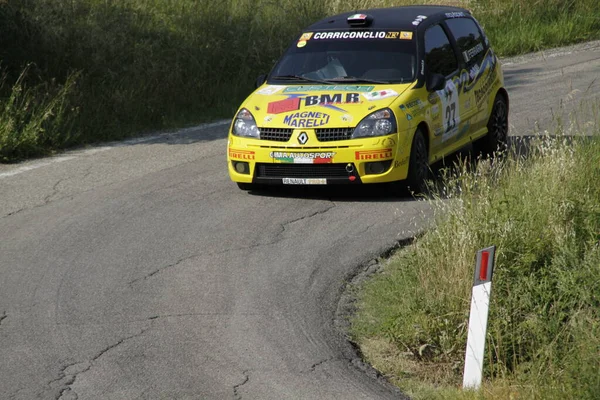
<point x="371" y="96"/>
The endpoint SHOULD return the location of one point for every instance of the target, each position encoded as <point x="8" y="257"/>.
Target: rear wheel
<point x="497" y="136"/>
<point x="418" y="167"/>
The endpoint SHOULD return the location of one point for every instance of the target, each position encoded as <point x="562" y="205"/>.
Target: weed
<point x="542" y="212"/>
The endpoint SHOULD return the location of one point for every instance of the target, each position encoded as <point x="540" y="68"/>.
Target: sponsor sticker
<point x="419" y="19"/>
<point x="405" y="35"/>
<point x="433" y="97"/>
<point x="328" y="88"/>
<point x="455" y="14"/>
<point x="357" y="16"/>
<point x="241" y="154"/>
<point x="269" y="90"/>
<point x="304" y="181"/>
<point x="281" y="106"/>
<point x="474" y="71"/>
<point x="329" y="99"/>
<point x="414" y="103"/>
<point x="306" y="119"/>
<point x="380" y="94"/>
<point x="303" y="158"/>
<point x="400" y="163"/>
<point x="306" y="36"/>
<point x="392" y="35"/>
<point x="472" y="52"/>
<point x="374" y="154"/>
<point x="350" y="35"/>
<point x="483" y="91"/>
<point x="301" y="43"/>
<point x="413" y="108"/>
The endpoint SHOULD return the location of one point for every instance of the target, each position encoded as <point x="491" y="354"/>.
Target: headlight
<point x="379" y="123"/>
<point x="244" y="125"/>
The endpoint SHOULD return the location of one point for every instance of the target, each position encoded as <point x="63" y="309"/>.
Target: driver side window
<point x="439" y="55"/>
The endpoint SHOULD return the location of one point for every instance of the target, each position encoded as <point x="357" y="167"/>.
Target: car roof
<point x="389" y="18"/>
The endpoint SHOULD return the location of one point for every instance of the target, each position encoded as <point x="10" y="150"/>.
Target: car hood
<point x="319" y="106"/>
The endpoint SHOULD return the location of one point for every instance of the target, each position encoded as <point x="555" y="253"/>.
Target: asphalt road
<point x="137" y="270"/>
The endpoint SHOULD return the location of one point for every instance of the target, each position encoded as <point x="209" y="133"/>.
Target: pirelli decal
<point x="383" y="154"/>
<point x="241" y="154"/>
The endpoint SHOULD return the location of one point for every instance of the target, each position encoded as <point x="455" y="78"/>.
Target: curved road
<point x="136" y="270"/>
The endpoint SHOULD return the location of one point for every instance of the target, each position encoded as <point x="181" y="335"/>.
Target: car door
<point x="472" y="48"/>
<point x="446" y="118"/>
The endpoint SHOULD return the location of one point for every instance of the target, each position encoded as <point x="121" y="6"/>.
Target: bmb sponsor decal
<point x="383" y="154"/>
<point x="325" y="100"/>
<point x="306" y="119"/>
<point x="241" y="154"/>
<point x="337" y="98"/>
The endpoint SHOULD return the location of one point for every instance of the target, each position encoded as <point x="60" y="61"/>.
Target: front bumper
<point x="355" y="161"/>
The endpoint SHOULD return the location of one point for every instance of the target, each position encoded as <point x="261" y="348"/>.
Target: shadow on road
<point x="341" y="193"/>
<point x="519" y="77"/>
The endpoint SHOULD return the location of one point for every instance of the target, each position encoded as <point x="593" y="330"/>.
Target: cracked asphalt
<point x="137" y="270"/>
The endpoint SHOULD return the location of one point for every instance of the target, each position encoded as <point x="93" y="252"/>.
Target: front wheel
<point x="497" y="137"/>
<point x="418" y="167"/>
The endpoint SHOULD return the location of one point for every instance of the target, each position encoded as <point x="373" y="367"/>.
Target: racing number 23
<point x="450" y="116"/>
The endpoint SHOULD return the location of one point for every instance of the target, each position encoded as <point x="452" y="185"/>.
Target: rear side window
<point x="469" y="39"/>
<point x="439" y="55"/>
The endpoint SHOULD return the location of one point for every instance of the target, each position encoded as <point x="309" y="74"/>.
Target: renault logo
<point x="302" y="138"/>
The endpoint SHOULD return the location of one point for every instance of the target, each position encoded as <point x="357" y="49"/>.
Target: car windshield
<point x="332" y="57"/>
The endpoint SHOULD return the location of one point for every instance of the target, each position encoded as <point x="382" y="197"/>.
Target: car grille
<point x="331" y="134"/>
<point x="323" y="135"/>
<point x="301" y="171"/>
<point x="276" y="134"/>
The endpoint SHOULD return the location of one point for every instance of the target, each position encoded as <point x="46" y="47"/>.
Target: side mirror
<point x="260" y="80"/>
<point x="435" y="82"/>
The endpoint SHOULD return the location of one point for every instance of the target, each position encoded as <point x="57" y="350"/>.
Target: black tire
<point x="418" y="167"/>
<point x="496" y="140"/>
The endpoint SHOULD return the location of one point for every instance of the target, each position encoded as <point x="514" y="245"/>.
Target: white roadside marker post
<point x="480" y="305"/>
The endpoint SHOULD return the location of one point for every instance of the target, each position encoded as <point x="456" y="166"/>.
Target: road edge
<point x="346" y="309"/>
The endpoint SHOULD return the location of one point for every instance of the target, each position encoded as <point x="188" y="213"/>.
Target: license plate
<point x="304" y="181"/>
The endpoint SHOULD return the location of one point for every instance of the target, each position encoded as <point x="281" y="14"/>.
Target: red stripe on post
<point x="485" y="256"/>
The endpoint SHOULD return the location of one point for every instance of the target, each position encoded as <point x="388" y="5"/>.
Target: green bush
<point x="543" y="213"/>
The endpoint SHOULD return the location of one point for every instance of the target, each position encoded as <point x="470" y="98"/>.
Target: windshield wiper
<point x="356" y="80"/>
<point x="298" y="78"/>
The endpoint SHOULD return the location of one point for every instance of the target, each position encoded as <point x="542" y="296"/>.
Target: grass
<point x="35" y="119"/>
<point x="543" y="342"/>
<point x="132" y="66"/>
